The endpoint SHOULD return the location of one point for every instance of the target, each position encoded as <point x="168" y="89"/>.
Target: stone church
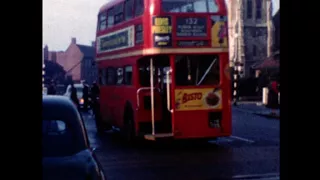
<point x="248" y="32"/>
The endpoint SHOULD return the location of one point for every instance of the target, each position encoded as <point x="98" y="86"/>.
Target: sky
<point x="64" y="19"/>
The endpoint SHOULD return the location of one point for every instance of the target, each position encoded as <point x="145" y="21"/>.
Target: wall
<point x="71" y="57"/>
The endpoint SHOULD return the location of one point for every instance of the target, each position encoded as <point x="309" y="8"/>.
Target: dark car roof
<point x="62" y="108"/>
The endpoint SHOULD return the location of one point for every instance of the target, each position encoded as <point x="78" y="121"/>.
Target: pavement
<point x="252" y="152"/>
<point x="257" y="108"/>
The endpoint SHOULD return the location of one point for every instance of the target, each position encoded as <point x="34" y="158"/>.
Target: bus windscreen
<point x="190" y="6"/>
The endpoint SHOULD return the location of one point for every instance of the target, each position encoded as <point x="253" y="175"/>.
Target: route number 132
<point x="191" y="21"/>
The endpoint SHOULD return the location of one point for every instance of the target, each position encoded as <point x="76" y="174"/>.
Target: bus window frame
<point x="116" y="13"/>
<point x="132" y="10"/>
<point x="124" y="82"/>
<point x="100" y="22"/>
<point x="135" y="8"/>
<point x="121" y="83"/>
<point x="114" y="80"/>
<point x="112" y="10"/>
<point x="108" y="15"/>
<point x="221" y="10"/>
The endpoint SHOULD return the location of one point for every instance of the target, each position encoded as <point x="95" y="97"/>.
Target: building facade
<point x="77" y="61"/>
<point x="248" y="32"/>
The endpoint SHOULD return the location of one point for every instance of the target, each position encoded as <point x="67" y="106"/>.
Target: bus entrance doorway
<point x="155" y="79"/>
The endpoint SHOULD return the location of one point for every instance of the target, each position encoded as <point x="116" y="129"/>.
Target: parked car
<point x="66" y="152"/>
<point x="79" y="88"/>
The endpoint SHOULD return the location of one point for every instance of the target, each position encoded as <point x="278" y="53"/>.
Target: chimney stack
<point x="93" y="43"/>
<point x="74" y="41"/>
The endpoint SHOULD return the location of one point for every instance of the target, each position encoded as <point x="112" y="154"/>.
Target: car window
<point x="57" y="139"/>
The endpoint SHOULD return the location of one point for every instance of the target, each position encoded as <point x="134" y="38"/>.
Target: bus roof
<point x="109" y="4"/>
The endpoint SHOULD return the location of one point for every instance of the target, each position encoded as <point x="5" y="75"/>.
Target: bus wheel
<point x="129" y="128"/>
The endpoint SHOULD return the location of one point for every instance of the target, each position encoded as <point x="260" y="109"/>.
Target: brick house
<point x="254" y="20"/>
<point x="77" y="61"/>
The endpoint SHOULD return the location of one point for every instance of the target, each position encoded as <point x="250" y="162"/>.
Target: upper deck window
<point x="128" y="9"/>
<point x="190" y="6"/>
<point x="110" y="17"/>
<point x="102" y="21"/>
<point x="118" y="13"/>
<point x="139" y="7"/>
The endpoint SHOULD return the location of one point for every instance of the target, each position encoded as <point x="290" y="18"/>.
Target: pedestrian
<point x="262" y="82"/>
<point x="95" y="93"/>
<point x="85" y="96"/>
<point x="73" y="96"/>
<point x="273" y="96"/>
<point x="52" y="88"/>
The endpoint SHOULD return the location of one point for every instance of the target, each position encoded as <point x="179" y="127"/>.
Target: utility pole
<point x="269" y="28"/>
<point x="239" y="51"/>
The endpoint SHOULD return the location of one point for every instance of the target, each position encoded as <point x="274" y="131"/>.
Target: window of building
<point x="128" y="75"/>
<point x="128" y="9"/>
<point x="258" y="9"/>
<point x="118" y="13"/>
<point x="110" y="17"/>
<point x="139" y="7"/>
<point x="111" y="76"/>
<point x="254" y="50"/>
<point x="249" y="9"/>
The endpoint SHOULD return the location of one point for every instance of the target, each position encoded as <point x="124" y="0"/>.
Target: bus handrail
<point x="168" y="90"/>
<point x="143" y="89"/>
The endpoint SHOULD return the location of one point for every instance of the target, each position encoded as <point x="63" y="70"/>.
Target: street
<point x="252" y="151"/>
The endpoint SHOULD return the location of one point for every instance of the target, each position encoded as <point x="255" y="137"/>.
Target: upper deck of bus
<point x="116" y="34"/>
<point x="221" y="4"/>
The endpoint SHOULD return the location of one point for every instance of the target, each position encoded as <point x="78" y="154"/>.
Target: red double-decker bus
<point x="164" y="68"/>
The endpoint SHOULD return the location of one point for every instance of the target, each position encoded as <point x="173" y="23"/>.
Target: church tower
<point x="248" y="31"/>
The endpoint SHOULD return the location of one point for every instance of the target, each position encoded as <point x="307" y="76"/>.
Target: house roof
<point x="88" y="51"/>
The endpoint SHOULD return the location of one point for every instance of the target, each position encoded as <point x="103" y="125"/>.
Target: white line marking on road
<point x="242" y="139"/>
<point x="220" y="140"/>
<point x="267" y="175"/>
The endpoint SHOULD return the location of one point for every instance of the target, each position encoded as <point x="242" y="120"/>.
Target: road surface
<point x="251" y="152"/>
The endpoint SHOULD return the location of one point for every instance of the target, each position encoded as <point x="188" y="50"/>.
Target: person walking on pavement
<point x="95" y="92"/>
<point x="73" y="96"/>
<point x="85" y="96"/>
<point x="273" y="96"/>
<point x="52" y="88"/>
